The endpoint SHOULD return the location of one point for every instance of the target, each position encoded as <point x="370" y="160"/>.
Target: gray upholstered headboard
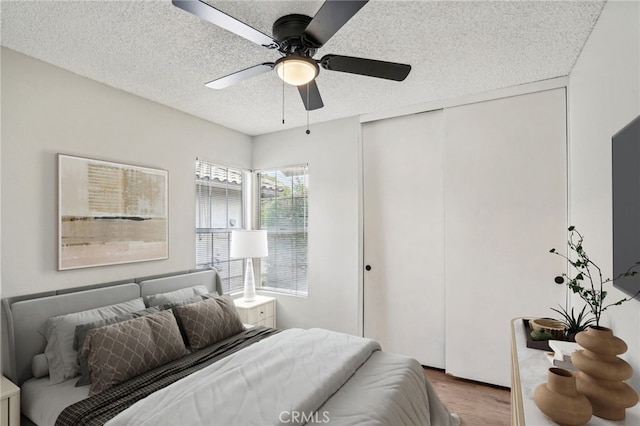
<point x="210" y="278"/>
<point x="23" y="315"/>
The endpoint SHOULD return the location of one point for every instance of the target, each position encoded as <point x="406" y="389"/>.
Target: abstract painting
<point x="110" y="213"/>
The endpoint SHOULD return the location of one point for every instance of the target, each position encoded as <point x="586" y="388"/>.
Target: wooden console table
<point x="528" y="369"/>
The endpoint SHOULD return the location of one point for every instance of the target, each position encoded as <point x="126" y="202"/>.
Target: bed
<point x="169" y="350"/>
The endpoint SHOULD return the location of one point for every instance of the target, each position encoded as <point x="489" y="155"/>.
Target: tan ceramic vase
<point x="560" y="400"/>
<point x="601" y="373"/>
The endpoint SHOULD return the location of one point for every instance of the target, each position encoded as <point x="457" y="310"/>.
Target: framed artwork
<point x="110" y="213"/>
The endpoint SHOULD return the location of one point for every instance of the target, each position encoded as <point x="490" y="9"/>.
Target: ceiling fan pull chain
<point x="308" y="131"/>
<point x="283" y="98"/>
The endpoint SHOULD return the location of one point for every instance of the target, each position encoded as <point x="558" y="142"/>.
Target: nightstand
<point x="261" y="311"/>
<point x="10" y="400"/>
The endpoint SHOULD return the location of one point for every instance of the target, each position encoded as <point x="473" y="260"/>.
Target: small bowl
<point x="554" y="327"/>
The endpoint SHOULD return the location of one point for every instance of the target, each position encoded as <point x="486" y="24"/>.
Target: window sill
<point x="281" y="292"/>
<point x="269" y="291"/>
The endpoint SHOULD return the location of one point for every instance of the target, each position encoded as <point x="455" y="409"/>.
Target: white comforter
<point x="283" y="380"/>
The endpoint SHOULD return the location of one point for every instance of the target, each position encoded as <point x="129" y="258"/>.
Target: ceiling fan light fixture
<point x="296" y="70"/>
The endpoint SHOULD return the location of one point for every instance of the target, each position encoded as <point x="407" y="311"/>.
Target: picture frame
<point x="110" y="213"/>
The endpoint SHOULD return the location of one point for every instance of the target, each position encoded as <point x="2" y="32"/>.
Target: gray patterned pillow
<point x="209" y="321"/>
<point x="120" y="351"/>
<point x="83" y="329"/>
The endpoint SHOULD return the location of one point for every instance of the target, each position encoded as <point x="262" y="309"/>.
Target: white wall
<point x="604" y="95"/>
<point x="47" y="110"/>
<point x="333" y="154"/>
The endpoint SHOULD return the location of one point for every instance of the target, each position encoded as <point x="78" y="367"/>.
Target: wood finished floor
<point x="477" y="404"/>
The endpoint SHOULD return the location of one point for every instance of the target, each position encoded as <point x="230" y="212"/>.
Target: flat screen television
<point x="626" y="204"/>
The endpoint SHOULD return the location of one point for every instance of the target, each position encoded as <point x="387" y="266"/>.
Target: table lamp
<point x="247" y="244"/>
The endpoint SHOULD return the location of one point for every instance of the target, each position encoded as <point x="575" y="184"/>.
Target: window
<point x="283" y="212"/>
<point x="281" y="208"/>
<point x="219" y="209"/>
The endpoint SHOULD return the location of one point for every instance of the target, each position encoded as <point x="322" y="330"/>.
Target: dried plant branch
<point x="594" y="293"/>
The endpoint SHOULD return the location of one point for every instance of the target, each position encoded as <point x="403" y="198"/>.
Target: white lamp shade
<point x="249" y="244"/>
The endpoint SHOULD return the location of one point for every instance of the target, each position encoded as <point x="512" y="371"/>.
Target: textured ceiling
<point x="159" y="52"/>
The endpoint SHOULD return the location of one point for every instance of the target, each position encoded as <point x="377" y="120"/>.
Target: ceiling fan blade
<point x="237" y="77"/>
<point x="363" y="66"/>
<point x="333" y="14"/>
<point x="229" y="23"/>
<point x="311" y="98"/>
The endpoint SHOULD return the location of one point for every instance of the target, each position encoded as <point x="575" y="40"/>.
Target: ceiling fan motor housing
<point x="288" y="31"/>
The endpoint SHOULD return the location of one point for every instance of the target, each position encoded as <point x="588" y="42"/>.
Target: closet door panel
<point x="505" y="206"/>
<point x="403" y="235"/>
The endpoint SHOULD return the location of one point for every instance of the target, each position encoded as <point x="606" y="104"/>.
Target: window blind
<point x="219" y="209"/>
<point x="283" y="211"/>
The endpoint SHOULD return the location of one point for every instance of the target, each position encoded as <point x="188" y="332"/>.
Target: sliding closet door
<point x="403" y="235"/>
<point x="506" y="206"/>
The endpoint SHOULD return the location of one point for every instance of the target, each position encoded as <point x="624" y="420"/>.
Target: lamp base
<point x="249" y="282"/>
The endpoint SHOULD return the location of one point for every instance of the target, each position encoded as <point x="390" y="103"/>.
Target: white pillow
<point x="60" y="332"/>
<point x="162" y="299"/>
<point x="39" y="366"/>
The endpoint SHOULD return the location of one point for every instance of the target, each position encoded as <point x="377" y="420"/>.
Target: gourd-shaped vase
<point x="560" y="400"/>
<point x="601" y="373"/>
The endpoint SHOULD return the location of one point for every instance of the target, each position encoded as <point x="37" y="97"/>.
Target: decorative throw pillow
<point x="83" y="329"/>
<point x="188" y="301"/>
<point x="209" y="321"/>
<point x="162" y="299"/>
<point x="60" y="333"/>
<point x="120" y="351"/>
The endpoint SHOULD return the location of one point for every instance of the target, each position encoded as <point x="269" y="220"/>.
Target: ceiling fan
<point x="297" y="38"/>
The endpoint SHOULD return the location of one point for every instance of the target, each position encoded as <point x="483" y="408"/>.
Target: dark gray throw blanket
<point x="100" y="408"/>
